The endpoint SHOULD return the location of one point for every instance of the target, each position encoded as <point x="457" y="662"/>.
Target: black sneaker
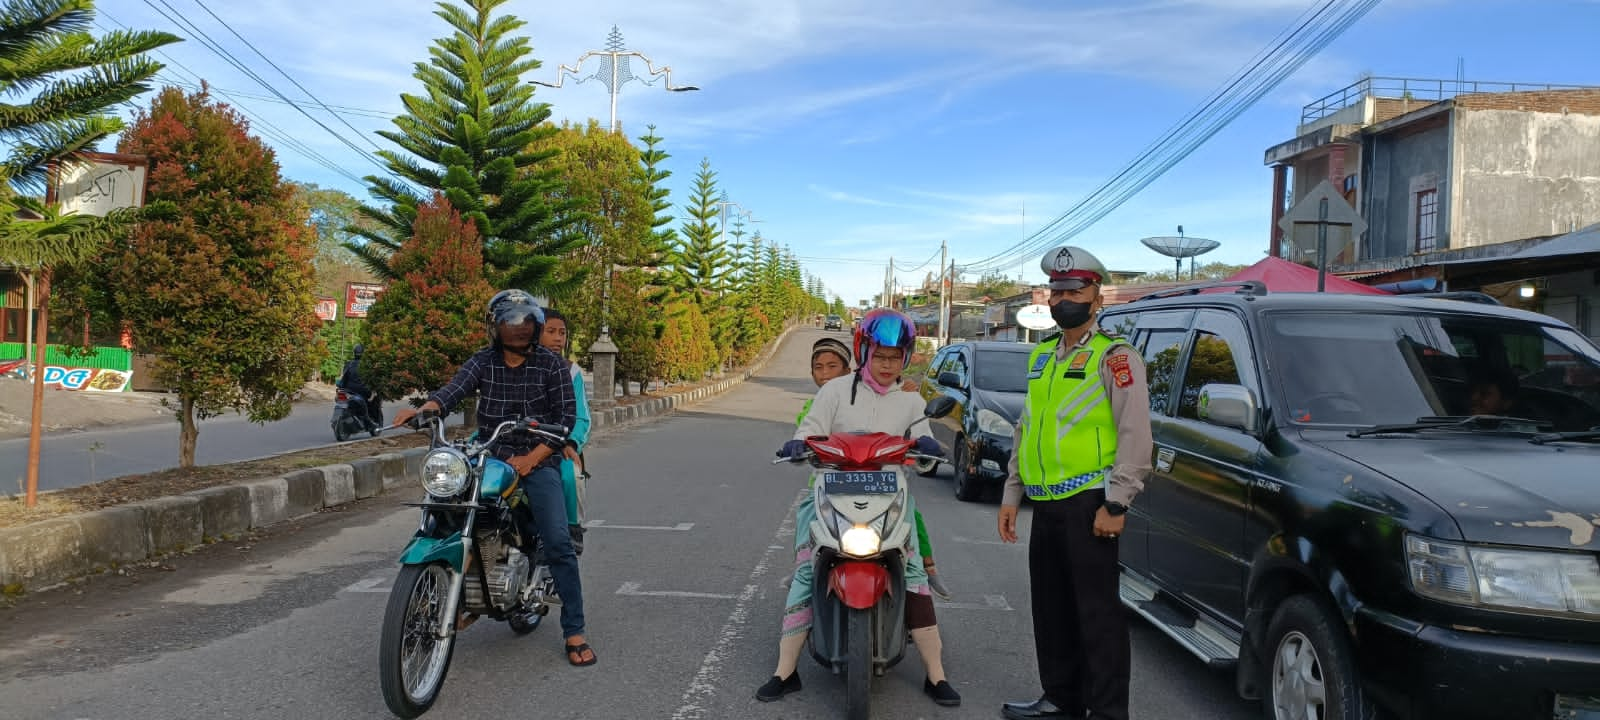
<point x="777" y="687"/>
<point x="576" y="531"/>
<point x="941" y="693"/>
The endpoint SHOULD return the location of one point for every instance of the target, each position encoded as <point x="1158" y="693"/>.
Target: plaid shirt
<point x="540" y="388"/>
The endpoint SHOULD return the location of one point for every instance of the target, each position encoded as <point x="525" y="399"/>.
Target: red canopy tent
<point x="1280" y="275"/>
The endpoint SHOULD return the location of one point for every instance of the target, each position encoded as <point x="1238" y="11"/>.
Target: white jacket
<point x="833" y="411"/>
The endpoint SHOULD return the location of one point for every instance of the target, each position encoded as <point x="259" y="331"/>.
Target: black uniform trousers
<point x="1080" y="633"/>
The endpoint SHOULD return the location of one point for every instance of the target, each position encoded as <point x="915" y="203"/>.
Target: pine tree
<point x="702" y="259"/>
<point x="470" y="136"/>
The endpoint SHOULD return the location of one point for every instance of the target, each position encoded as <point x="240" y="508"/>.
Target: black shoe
<point x="576" y="531"/>
<point x="1041" y="708"/>
<point x="941" y="693"/>
<point x="777" y="687"/>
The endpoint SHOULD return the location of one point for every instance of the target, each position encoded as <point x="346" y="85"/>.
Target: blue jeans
<point x="548" y="503"/>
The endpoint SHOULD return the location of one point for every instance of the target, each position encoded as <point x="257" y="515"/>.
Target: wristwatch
<point x="1115" y="509"/>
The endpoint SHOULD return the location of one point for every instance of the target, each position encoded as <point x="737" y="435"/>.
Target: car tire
<point x="1308" y="669"/>
<point x="966" y="486"/>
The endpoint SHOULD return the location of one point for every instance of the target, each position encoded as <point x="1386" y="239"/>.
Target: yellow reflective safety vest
<point x="1070" y="439"/>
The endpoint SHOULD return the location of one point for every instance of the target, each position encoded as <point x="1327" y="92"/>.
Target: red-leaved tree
<point x="428" y="322"/>
<point x="221" y="290"/>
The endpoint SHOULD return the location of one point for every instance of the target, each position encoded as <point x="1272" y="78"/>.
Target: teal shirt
<point x="580" y="427"/>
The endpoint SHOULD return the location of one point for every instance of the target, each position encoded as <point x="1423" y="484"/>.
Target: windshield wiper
<point x="1573" y="436"/>
<point x="1490" y="423"/>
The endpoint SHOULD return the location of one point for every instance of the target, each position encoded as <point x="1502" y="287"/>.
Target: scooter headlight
<point x="444" y="472"/>
<point x="860" y="541"/>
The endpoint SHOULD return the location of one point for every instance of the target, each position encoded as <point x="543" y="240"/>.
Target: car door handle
<point x="1164" y="459"/>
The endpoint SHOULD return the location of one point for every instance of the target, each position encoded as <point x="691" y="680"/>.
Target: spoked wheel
<point x="412" y="659"/>
<point x="858" y="665"/>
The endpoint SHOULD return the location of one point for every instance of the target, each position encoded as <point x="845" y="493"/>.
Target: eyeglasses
<point x="887" y="358"/>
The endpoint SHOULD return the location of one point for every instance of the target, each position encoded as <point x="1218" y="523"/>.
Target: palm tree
<point x="65" y="80"/>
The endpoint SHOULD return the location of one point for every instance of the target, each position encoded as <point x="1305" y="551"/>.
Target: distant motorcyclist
<point x="350" y="381"/>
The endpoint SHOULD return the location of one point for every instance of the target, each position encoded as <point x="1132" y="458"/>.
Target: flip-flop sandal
<point x="578" y="650"/>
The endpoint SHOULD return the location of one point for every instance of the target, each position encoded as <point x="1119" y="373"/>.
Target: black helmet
<point x="355" y="351"/>
<point x="512" y="307"/>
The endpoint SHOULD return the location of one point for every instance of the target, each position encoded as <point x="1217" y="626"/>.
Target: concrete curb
<point x="40" y="555"/>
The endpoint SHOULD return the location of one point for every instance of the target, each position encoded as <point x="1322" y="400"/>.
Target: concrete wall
<point x="1525" y="174"/>
<point x="1399" y="165"/>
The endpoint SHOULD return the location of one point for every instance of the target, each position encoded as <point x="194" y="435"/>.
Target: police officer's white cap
<point x="1070" y="268"/>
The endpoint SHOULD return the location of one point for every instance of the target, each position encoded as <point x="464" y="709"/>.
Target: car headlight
<point x="860" y="541"/>
<point x="991" y="422"/>
<point x="444" y="472"/>
<point x="1542" y="581"/>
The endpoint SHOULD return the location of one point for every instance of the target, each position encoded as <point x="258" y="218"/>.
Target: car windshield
<point x="1002" y="370"/>
<point x="1383" y="368"/>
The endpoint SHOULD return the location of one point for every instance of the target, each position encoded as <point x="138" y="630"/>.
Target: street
<point x="690" y="538"/>
<point x="70" y="459"/>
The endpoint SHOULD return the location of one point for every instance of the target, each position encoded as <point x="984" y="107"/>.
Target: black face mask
<point x="1068" y="314"/>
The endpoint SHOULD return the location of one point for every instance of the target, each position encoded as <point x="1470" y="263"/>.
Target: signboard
<point x="1340" y="223"/>
<point x="99" y="183"/>
<point x="359" y="297"/>
<point x="1036" y="317"/>
<point x="93" y="379"/>
<point x="327" y="309"/>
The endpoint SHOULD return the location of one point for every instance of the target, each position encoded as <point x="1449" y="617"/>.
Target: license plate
<point x="873" y="482"/>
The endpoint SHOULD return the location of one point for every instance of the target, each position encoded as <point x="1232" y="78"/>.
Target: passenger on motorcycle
<point x="830" y="359"/>
<point x="517" y="378"/>
<point x="554" y="339"/>
<point x="870" y="399"/>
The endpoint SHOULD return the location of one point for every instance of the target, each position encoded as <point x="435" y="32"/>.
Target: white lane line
<point x="990" y="602"/>
<point x="975" y="541"/>
<point x="703" y="684"/>
<point x="633" y="588"/>
<point x="680" y="527"/>
<point x="370" y="585"/>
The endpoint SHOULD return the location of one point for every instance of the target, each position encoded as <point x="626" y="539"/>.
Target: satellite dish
<point x="1036" y="317"/>
<point x="1179" y="247"/>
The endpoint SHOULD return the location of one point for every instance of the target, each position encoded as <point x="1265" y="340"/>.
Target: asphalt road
<point x="680" y="574"/>
<point x="70" y="459"/>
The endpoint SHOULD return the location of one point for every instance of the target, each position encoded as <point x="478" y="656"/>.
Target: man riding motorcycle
<point x="870" y="399"/>
<point x="350" y="381"/>
<point x="517" y="378"/>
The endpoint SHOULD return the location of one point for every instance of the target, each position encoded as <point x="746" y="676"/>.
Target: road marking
<point x="680" y="527"/>
<point x="990" y="602"/>
<point x="370" y="585"/>
<point x="975" y="541"/>
<point x="632" y="588"/>
<point x="703" y="684"/>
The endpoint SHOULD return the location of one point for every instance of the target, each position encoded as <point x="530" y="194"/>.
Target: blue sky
<point x="855" y="131"/>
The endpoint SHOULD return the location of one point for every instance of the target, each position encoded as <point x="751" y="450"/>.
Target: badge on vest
<point x="1039" y="364"/>
<point x="1077" y="365"/>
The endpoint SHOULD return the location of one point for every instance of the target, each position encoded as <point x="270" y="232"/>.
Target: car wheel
<point x="966" y="486"/>
<point x="1311" y="674"/>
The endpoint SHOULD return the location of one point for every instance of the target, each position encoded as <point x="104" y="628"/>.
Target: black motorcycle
<point x="351" y="416"/>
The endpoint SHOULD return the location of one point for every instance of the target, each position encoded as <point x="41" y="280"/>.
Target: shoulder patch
<point x="1121" y="374"/>
<point x="1080" y="360"/>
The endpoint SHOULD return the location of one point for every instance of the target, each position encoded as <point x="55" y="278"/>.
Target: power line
<point x="1194" y="130"/>
<point x="286" y="76"/>
<point x="177" y="18"/>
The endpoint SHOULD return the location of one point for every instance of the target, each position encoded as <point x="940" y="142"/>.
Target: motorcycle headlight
<point x="444" y="472"/>
<point x="991" y="422"/>
<point x="860" y="541"/>
<point x="1549" y="582"/>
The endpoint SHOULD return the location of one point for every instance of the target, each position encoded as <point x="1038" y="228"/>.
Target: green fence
<point x="104" y="358"/>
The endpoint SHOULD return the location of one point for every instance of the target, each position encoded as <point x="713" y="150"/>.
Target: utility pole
<point x="888" y="279"/>
<point x="946" y="287"/>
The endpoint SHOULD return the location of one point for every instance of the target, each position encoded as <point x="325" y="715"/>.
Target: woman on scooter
<point x="870" y="399"/>
<point x="554" y="339"/>
<point x="830" y="359"/>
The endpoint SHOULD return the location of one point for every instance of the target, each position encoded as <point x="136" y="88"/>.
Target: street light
<point x="615" y="71"/>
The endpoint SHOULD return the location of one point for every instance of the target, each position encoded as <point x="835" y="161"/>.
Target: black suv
<point x="833" y="322"/>
<point x="1370" y="504"/>
<point x="988" y="381"/>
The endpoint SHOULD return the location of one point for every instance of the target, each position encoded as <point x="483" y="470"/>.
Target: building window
<point x="1427" y="220"/>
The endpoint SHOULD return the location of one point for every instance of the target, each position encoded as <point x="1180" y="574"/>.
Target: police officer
<point x="1082" y="449"/>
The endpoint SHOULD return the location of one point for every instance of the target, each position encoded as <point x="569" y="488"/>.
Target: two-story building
<point x="1462" y="185"/>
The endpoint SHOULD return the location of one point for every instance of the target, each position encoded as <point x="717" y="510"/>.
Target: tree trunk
<point x="41" y="344"/>
<point x="188" y="434"/>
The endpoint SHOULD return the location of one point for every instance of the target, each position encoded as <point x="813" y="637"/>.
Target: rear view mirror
<point x="939" y="407"/>
<point x="1230" y="406"/>
<point x="950" y="379"/>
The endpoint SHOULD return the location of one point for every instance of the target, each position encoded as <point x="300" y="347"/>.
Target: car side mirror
<point x="1231" y="406"/>
<point x="950" y="380"/>
<point x="940" y="406"/>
